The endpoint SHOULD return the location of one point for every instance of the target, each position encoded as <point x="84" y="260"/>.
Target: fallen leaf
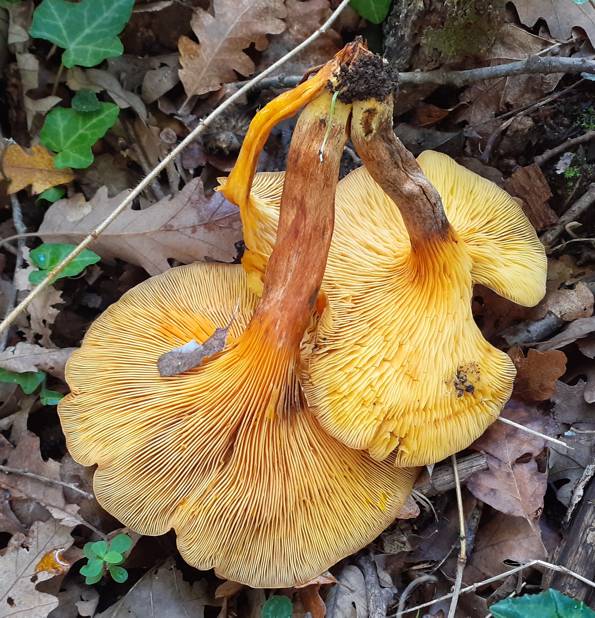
<point x="186" y="227"/>
<point x="18" y="576"/>
<point x="224" y="35"/>
<point x="348" y="598"/>
<point x="31" y="357"/>
<point x="587" y="347"/>
<point x="566" y="466"/>
<point x="575" y="330"/>
<point x="568" y="304"/>
<point x="35" y="168"/>
<point x="537" y="373"/>
<point x="162" y="591"/>
<point x="561" y="16"/>
<point x="570" y="405"/>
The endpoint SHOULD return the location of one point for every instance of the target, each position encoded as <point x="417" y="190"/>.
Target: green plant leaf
<point x="277" y="607"/>
<point x="121" y="543"/>
<point x="93" y="568"/>
<point x="93" y="580"/>
<point x="48" y="255"/>
<point x="49" y="397"/>
<point x="113" y="557"/>
<point x="71" y="134"/>
<point x="374" y="11"/>
<point x="119" y="574"/>
<point x="547" y="604"/>
<point x="85" y="101"/>
<point x="99" y="548"/>
<point x="88" y="551"/>
<point x="88" y="30"/>
<point x="28" y="380"/>
<point x="53" y="194"/>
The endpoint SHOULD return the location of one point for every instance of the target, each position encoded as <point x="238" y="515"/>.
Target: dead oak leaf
<point x="186" y="227"/>
<point x="30" y="357"/>
<point x="537" y="373"/>
<point x="223" y="36"/>
<point x="35" y="168"/>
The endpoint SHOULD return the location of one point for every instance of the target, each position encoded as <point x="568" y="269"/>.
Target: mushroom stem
<point x="296" y="266"/>
<point x="397" y="172"/>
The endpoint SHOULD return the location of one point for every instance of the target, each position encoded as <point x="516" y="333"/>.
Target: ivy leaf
<point x="85" y="101"/>
<point x="49" y="397"/>
<point x="93" y="568"/>
<point x="28" y="380"/>
<point x="374" y="11"/>
<point x="547" y="604"/>
<point x="119" y="574"/>
<point x="71" y="133"/>
<point x="49" y="255"/>
<point x="52" y="194"/>
<point x="121" y="543"/>
<point x="277" y="607"/>
<point x="88" y="30"/>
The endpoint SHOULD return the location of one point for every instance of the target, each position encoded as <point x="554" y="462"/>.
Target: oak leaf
<point x="185" y="227"/>
<point x="223" y="36"/>
<point x="31" y="357"/>
<point x="35" y="168"/>
<point x="537" y="373"/>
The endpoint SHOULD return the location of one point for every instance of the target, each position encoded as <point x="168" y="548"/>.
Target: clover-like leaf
<point x="71" y="134"/>
<point x="121" y="543"/>
<point x="28" y="380"/>
<point x="89" y="551"/>
<point x="119" y="574"/>
<point x="374" y="11"/>
<point x="113" y="557"/>
<point x="547" y="604"/>
<point x="93" y="568"/>
<point x="87" y="30"/>
<point x="99" y="548"/>
<point x="49" y="397"/>
<point x="49" y="255"/>
<point x="53" y="194"/>
<point x="93" y="580"/>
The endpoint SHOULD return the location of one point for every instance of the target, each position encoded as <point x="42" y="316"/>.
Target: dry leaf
<point x="348" y="598"/>
<point x="570" y="405"/>
<point x="186" y="227"/>
<point x="537" y="373"/>
<point x="575" y="330"/>
<point x="568" y="304"/>
<point x="18" y="577"/>
<point x="566" y="467"/>
<point x="30" y="357"/>
<point x="35" y="168"/>
<point x="223" y="36"/>
<point x="561" y="16"/>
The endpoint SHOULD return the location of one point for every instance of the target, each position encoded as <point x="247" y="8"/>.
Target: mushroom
<point x="398" y="362"/>
<point x="228" y="454"/>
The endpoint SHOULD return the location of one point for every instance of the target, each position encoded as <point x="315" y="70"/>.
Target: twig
<point x="143" y="160"/>
<point x="507" y="421"/>
<point x="572" y="214"/>
<point x="496" y="578"/>
<point x="462" y="558"/>
<point x="567" y="145"/>
<point x="443" y="479"/>
<point x="418" y="581"/>
<point x="203" y="124"/>
<point x="376" y="596"/>
<point x="45" y="479"/>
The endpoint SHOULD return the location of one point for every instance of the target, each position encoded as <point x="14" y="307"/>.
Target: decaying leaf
<point x="348" y="597"/>
<point x="35" y="168"/>
<point x="566" y="466"/>
<point x="575" y="330"/>
<point x="185" y="227"/>
<point x="18" y="577"/>
<point x="31" y="357"/>
<point x="570" y="405"/>
<point x="568" y="304"/>
<point x="537" y="373"/>
<point x="223" y="37"/>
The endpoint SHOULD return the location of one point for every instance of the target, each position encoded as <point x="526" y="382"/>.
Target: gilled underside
<point x="226" y="454"/>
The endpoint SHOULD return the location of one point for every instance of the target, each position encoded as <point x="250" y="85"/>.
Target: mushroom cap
<point x="399" y="362"/>
<point x="227" y="454"/>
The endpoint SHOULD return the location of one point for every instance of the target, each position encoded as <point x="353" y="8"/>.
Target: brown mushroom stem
<point x="296" y="266"/>
<point x="395" y="169"/>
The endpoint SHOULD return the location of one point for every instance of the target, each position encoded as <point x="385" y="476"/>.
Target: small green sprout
<point x="107" y="556"/>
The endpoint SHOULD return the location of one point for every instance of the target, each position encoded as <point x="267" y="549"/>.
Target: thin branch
<point x="443" y="479"/>
<point x="202" y="125"/>
<point x="45" y="479"/>
<point x="418" y="581"/>
<point x="496" y="578"/>
<point x="462" y="558"/>
<point x="567" y="145"/>
<point x="507" y="421"/>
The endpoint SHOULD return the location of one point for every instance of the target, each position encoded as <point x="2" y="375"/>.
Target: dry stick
<point x="572" y="214"/>
<point x="202" y="125"/>
<point x="567" y="145"/>
<point x="45" y="479"/>
<point x="462" y="558"/>
<point x="496" y="578"/>
<point x="507" y="421"/>
<point x="418" y="581"/>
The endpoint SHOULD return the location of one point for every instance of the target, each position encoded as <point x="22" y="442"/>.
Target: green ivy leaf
<point x="28" y="380"/>
<point x="71" y="134"/>
<point x="53" y="194"/>
<point x="374" y="11"/>
<point x="93" y="568"/>
<point x="121" y="543"/>
<point x="93" y="580"/>
<point x="547" y="604"/>
<point x="49" y="397"/>
<point x="277" y="607"/>
<point x="119" y="574"/>
<point x="88" y="30"/>
<point x="85" y="101"/>
<point x="49" y="255"/>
